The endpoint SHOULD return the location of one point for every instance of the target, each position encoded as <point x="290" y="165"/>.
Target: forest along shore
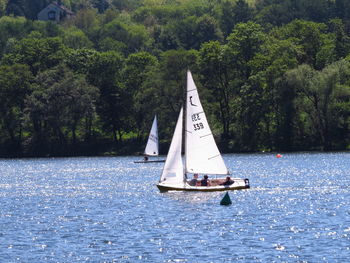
<point x="274" y="76"/>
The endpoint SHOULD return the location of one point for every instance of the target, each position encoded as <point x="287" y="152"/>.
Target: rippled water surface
<point x="109" y="210"/>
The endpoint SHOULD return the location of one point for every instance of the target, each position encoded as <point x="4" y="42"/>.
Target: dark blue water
<point x="109" y="210"/>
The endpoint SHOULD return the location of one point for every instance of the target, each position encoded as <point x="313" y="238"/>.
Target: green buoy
<point x="226" y="200"/>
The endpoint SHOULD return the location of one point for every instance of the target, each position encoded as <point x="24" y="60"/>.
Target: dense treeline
<point x="273" y="75"/>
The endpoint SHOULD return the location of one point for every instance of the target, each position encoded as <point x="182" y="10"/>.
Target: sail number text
<point x="195" y="117"/>
<point x="154" y="138"/>
<point x="197" y="126"/>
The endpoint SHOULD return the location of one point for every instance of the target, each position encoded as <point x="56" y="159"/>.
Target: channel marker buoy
<point x="226" y="200"/>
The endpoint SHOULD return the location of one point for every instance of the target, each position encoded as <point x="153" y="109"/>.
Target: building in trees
<point x="55" y="11"/>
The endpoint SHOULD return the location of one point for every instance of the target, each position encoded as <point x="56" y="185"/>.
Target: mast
<point x="185" y="125"/>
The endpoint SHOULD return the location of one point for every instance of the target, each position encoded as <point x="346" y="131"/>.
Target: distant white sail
<point x="202" y="154"/>
<point x="173" y="171"/>
<point x="152" y="143"/>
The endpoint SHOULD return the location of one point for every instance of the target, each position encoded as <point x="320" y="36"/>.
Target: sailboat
<point x="202" y="155"/>
<point x="152" y="146"/>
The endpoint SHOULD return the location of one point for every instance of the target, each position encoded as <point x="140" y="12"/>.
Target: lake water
<point x="109" y="210"/>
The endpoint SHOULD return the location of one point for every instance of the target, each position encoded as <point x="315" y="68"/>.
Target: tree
<point x="60" y="101"/>
<point x="232" y="13"/>
<point x="168" y="39"/>
<point x="207" y="29"/>
<point x="277" y="14"/>
<point x="342" y="9"/>
<point x="243" y="43"/>
<point x="27" y="8"/>
<point x="3" y="4"/>
<point x="114" y="103"/>
<point x="135" y="37"/>
<point x="342" y="40"/>
<point x="320" y="92"/>
<point x="76" y="39"/>
<point x="317" y="11"/>
<point x="277" y="57"/>
<point x="216" y="68"/>
<point x="86" y="20"/>
<point x="39" y="54"/>
<point x="11" y="28"/>
<point x="192" y="31"/>
<point x="101" y="5"/>
<point x="16" y="7"/>
<point x="136" y="70"/>
<point x="311" y="37"/>
<point x="15" y="85"/>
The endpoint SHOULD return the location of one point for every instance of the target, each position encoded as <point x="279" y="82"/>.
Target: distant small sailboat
<point x="201" y="153"/>
<point x="152" y="146"/>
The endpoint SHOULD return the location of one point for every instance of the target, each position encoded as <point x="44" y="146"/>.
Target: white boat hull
<point x="238" y="185"/>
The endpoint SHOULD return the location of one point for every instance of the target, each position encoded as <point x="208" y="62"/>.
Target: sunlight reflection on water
<point x="109" y="210"/>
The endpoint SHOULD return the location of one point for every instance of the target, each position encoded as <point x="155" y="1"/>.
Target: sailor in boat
<point x="205" y="181"/>
<point x="145" y="158"/>
<point x="228" y="181"/>
<point x="194" y="181"/>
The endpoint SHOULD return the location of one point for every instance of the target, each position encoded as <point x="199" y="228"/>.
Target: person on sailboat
<point x="194" y="181"/>
<point x="228" y="181"/>
<point x="205" y="181"/>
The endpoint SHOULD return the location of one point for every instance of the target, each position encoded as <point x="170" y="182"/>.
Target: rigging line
<point x="188" y="131"/>
<point x="213" y="157"/>
<point x="205" y="135"/>
<point x="191" y="90"/>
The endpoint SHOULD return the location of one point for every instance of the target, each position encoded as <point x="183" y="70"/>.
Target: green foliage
<point x="11" y="28"/>
<point x="137" y="68"/>
<point x="323" y="95"/>
<point x="60" y="101"/>
<point x="80" y="60"/>
<point x="216" y="69"/>
<point x="15" y="85"/>
<point x="3" y="4"/>
<point x="276" y="13"/>
<point x="342" y="40"/>
<point x="76" y="39"/>
<point x="244" y="43"/>
<point x="272" y="75"/>
<point x="86" y="20"/>
<point x="234" y="12"/>
<point x="311" y="37"/>
<point x="27" y="8"/>
<point x="114" y="103"/>
<point x="39" y="54"/>
<point x="135" y="37"/>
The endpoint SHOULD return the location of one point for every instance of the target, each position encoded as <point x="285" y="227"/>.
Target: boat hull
<point x="188" y="188"/>
<point x="153" y="161"/>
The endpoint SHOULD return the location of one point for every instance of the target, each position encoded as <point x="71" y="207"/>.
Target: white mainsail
<point x="152" y="143"/>
<point x="173" y="171"/>
<point x="202" y="154"/>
